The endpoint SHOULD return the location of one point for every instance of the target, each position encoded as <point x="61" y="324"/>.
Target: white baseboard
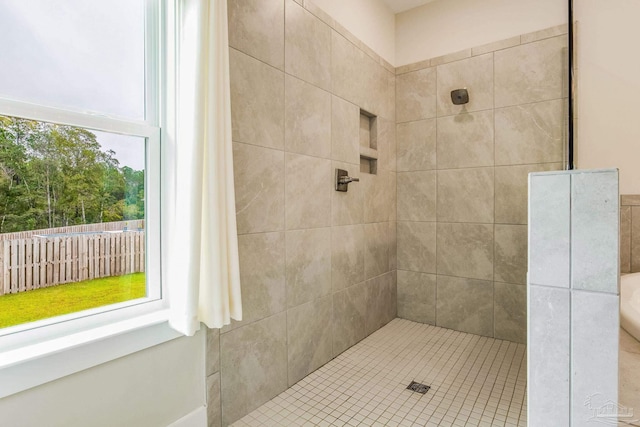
<point x="196" y="418"/>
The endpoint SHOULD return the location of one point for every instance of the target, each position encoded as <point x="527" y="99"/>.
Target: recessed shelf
<point x="368" y="143"/>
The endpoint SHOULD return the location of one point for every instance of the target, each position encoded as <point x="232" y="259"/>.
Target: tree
<point x="55" y="175"/>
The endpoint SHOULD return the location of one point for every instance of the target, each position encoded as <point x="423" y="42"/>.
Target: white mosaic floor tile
<point x="474" y="380"/>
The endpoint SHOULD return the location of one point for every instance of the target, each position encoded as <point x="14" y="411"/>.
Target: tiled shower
<point x="462" y="179"/>
<point x="435" y="230"/>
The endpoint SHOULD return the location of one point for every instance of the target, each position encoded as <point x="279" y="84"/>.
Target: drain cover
<point x="418" y="388"/>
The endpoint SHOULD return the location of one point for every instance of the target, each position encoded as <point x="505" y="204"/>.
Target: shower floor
<point x="475" y="381"/>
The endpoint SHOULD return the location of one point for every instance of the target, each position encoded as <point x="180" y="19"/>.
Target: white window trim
<point x="40" y="352"/>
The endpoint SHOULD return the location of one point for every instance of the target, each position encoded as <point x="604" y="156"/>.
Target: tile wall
<point x="630" y="233"/>
<point x="574" y="298"/>
<point x="317" y="266"/>
<point x="462" y="178"/>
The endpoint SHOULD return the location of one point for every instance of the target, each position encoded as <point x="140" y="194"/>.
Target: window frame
<point x="35" y="353"/>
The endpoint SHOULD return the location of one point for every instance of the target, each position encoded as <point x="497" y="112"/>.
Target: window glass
<point x="72" y="219"/>
<point x="87" y="55"/>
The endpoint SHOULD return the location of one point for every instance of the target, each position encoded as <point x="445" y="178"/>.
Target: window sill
<point x="36" y="364"/>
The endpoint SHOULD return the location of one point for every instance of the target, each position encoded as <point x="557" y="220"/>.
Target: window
<point x="83" y="108"/>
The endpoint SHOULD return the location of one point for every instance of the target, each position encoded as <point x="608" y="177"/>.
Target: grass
<point x="70" y="298"/>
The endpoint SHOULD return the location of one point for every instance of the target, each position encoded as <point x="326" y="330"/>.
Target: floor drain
<point x="418" y="388"/>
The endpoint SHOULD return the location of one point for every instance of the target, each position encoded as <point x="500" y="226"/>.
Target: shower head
<point x="459" y="96"/>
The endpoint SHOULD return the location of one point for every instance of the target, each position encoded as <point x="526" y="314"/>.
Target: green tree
<point x="54" y="175"/>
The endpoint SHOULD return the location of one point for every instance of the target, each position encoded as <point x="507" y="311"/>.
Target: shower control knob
<point x="343" y="179"/>
<point x="348" y="179"/>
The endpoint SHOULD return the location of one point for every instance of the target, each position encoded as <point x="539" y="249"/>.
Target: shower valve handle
<point x="348" y="179"/>
<point x="343" y="179"/>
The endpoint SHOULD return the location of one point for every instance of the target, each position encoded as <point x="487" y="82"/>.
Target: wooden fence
<point x="38" y="262"/>
<point x="136" y="224"/>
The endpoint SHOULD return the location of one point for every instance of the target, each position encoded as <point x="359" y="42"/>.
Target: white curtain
<point x="204" y="272"/>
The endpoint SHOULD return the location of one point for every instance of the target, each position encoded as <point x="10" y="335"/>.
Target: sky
<point x="86" y="55"/>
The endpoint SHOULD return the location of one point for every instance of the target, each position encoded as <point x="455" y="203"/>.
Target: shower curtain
<point x="204" y="267"/>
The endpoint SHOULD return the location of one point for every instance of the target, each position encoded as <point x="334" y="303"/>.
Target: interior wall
<point x="369" y="20"/>
<point x="608" y="128"/>
<point x="443" y="26"/>
<point x="462" y="179"/>
<point x="153" y="387"/>
<point x="317" y="266"/>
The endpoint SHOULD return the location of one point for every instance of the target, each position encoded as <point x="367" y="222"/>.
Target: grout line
<point x="284" y="210"/>
<point x="570" y="290"/>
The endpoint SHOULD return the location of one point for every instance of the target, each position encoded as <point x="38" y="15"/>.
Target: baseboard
<point x="195" y="418"/>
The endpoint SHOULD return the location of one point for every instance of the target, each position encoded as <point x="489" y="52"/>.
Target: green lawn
<point x="63" y="299"/>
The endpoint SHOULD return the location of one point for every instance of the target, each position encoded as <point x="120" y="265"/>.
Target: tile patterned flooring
<point x="475" y="381"/>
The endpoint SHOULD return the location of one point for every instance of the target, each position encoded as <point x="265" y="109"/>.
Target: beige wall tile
<point x="465" y="195"/>
<point x="345" y="67"/>
<point x="532" y="133"/>
<point x="393" y="190"/>
<point x="378" y="193"/>
<point x="381" y="301"/>
<point x="417" y="246"/>
<point x="413" y="67"/>
<point x="308" y="265"/>
<point x="417" y="196"/>
<point x="465" y="140"/>
<point x="544" y="34"/>
<point x="347" y="256"/>
<point x="259" y="188"/>
<point x="510" y="312"/>
<point x="256" y="27"/>
<point x="416" y="145"/>
<point x="476" y="75"/>
<point x="376" y="249"/>
<point x="499" y="45"/>
<point x="417" y="296"/>
<point x="393" y="245"/>
<point x="317" y="11"/>
<point x="376" y="87"/>
<point x="511" y="191"/>
<point x="310" y="342"/>
<point x="510" y="254"/>
<point x="465" y="305"/>
<point x="212" y="358"/>
<point x="257" y="101"/>
<point x="253" y="366"/>
<point x="450" y="57"/>
<point x="348" y="207"/>
<point x="386" y="92"/>
<point x="635" y="239"/>
<point x="308" y="187"/>
<point x="344" y="131"/>
<point x="307" y="46"/>
<point x="530" y="73"/>
<point x="262" y="274"/>
<point x="214" y="413"/>
<point x="307" y="120"/>
<point x="349" y="317"/>
<point x="385" y="140"/>
<point x="625" y="239"/>
<point x="360" y="79"/>
<point x="465" y="250"/>
<point x="416" y="95"/>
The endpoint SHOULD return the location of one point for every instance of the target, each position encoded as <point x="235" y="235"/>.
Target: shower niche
<point x="368" y="143"/>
